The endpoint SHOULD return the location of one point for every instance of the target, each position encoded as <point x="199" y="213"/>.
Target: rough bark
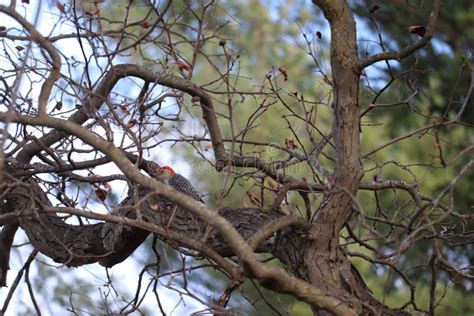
<point x="326" y="264"/>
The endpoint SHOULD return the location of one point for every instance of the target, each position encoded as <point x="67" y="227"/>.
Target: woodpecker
<point x="178" y="182"/>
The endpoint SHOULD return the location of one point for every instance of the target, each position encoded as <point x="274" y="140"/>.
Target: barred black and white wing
<point x="181" y="184"/>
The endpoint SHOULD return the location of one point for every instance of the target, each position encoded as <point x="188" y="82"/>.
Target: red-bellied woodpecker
<point x="178" y="182"/>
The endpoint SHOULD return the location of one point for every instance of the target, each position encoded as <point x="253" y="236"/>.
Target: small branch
<point x="47" y="86"/>
<point x="408" y="50"/>
<point x="28" y="283"/>
<point x="17" y="281"/>
<point x="454" y="120"/>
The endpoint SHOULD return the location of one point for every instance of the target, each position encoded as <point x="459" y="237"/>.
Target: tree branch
<point x="408" y="50"/>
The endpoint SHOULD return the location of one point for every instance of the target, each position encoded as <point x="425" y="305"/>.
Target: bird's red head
<point x="165" y="171"/>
